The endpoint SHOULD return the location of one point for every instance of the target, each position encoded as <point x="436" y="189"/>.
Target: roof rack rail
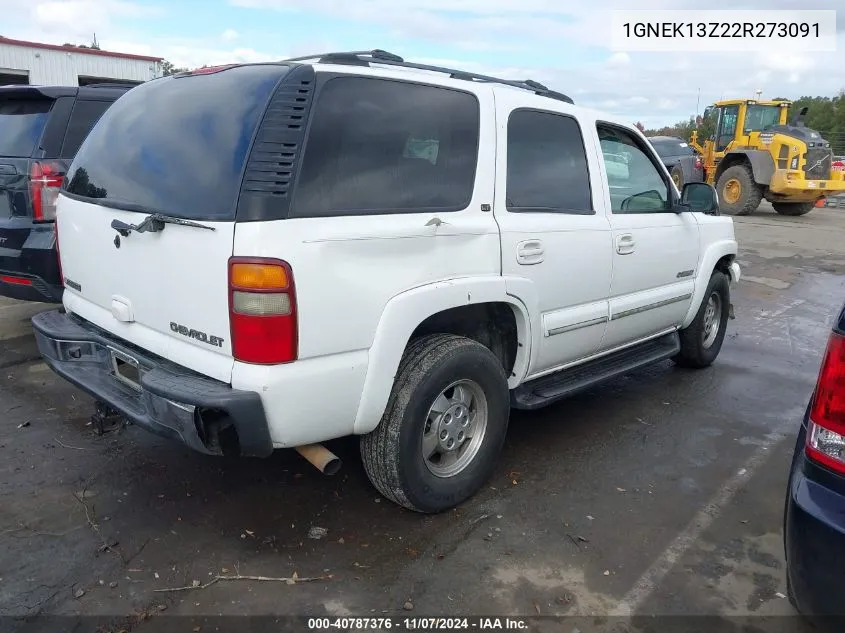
<point x="378" y="56"/>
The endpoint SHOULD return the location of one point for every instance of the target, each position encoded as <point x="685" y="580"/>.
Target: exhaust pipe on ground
<point x="321" y="458"/>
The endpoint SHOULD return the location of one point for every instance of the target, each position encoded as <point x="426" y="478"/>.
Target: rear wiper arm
<point x="153" y="223"/>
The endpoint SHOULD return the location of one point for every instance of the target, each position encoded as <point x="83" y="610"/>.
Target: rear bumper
<point x="168" y="400"/>
<point x="29" y="263"/>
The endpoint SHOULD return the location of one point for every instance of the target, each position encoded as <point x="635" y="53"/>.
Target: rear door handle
<point x="529" y="252"/>
<point x="625" y="244"/>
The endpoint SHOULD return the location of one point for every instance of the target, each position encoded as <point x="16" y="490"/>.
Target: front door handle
<point x="625" y="244"/>
<point x="529" y="252"/>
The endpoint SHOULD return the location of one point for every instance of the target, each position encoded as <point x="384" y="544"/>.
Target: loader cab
<point x="726" y="126"/>
<point x="743" y="121"/>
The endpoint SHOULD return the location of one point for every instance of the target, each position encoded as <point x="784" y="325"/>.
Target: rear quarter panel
<point x="691" y="174"/>
<point x="346" y="270"/>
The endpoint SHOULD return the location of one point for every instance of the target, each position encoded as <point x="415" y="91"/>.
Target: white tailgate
<point x="152" y="284"/>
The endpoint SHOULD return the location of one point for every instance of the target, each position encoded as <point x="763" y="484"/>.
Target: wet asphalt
<point x="658" y="494"/>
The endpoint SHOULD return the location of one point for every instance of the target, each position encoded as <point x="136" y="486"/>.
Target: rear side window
<point x="547" y="164"/>
<point x="176" y="145"/>
<point x="22" y="123"/>
<point x="379" y="146"/>
<point x="85" y="114"/>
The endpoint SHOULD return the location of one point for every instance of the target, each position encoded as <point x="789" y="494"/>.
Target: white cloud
<point x="619" y="60"/>
<point x="564" y="45"/>
<point x="193" y="56"/>
<point x="554" y="32"/>
<point x="83" y="18"/>
<point x="667" y="104"/>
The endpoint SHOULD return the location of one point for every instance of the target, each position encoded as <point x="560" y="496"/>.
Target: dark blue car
<point x="41" y="128"/>
<point x="814" y="521"/>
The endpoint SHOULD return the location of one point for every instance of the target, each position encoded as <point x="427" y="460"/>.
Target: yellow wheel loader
<point x="757" y="153"/>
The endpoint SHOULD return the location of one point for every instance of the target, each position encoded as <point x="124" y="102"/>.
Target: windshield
<point x="672" y="148"/>
<point x="759" y="117"/>
<point x="21" y="125"/>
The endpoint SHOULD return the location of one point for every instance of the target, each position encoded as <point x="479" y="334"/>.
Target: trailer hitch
<point x="105" y="418"/>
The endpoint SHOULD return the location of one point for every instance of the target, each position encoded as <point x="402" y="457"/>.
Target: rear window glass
<point x="379" y="146"/>
<point x="672" y="148"/>
<point x="177" y="145"/>
<point x="21" y="125"/>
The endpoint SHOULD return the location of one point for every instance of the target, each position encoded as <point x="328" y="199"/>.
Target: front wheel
<point x="444" y="424"/>
<point x="738" y="193"/>
<point x="702" y="339"/>
<point x="793" y="208"/>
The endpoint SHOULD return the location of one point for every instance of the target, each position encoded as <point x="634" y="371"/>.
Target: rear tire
<point x="435" y="445"/>
<point x="793" y="208"/>
<point x="677" y="176"/>
<point x="702" y="339"/>
<point x="738" y="193"/>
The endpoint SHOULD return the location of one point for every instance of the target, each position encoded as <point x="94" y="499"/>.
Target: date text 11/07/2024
<point x="762" y="30"/>
<point x="417" y="624"/>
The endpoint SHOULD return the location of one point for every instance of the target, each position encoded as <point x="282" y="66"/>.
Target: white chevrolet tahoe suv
<point x="268" y="256"/>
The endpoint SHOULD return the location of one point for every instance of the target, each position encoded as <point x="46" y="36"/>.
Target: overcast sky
<point x="563" y="43"/>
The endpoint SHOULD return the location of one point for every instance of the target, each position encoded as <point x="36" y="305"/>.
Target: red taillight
<point x="698" y="163"/>
<point x="45" y="182"/>
<point x="826" y="429"/>
<point x="262" y="310"/>
<point x="18" y="281"/>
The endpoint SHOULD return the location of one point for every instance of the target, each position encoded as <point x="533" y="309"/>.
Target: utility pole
<point x="698" y="103"/>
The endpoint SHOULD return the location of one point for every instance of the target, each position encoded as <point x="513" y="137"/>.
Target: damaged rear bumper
<point x="162" y="397"/>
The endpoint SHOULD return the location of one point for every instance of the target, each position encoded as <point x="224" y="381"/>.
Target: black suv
<point x="41" y="128"/>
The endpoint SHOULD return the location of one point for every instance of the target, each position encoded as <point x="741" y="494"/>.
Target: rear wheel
<point x="793" y="208"/>
<point x="702" y="339"/>
<point x="677" y="176"/>
<point x="738" y="193"/>
<point x="443" y="427"/>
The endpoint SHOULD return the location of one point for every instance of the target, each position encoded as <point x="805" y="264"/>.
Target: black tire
<point x="694" y="353"/>
<point x="677" y="176"/>
<point x="793" y="208"/>
<point x="750" y="192"/>
<point x="392" y="453"/>
<point x="790" y="594"/>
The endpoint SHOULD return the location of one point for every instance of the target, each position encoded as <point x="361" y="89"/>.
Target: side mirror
<point x="700" y="197"/>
